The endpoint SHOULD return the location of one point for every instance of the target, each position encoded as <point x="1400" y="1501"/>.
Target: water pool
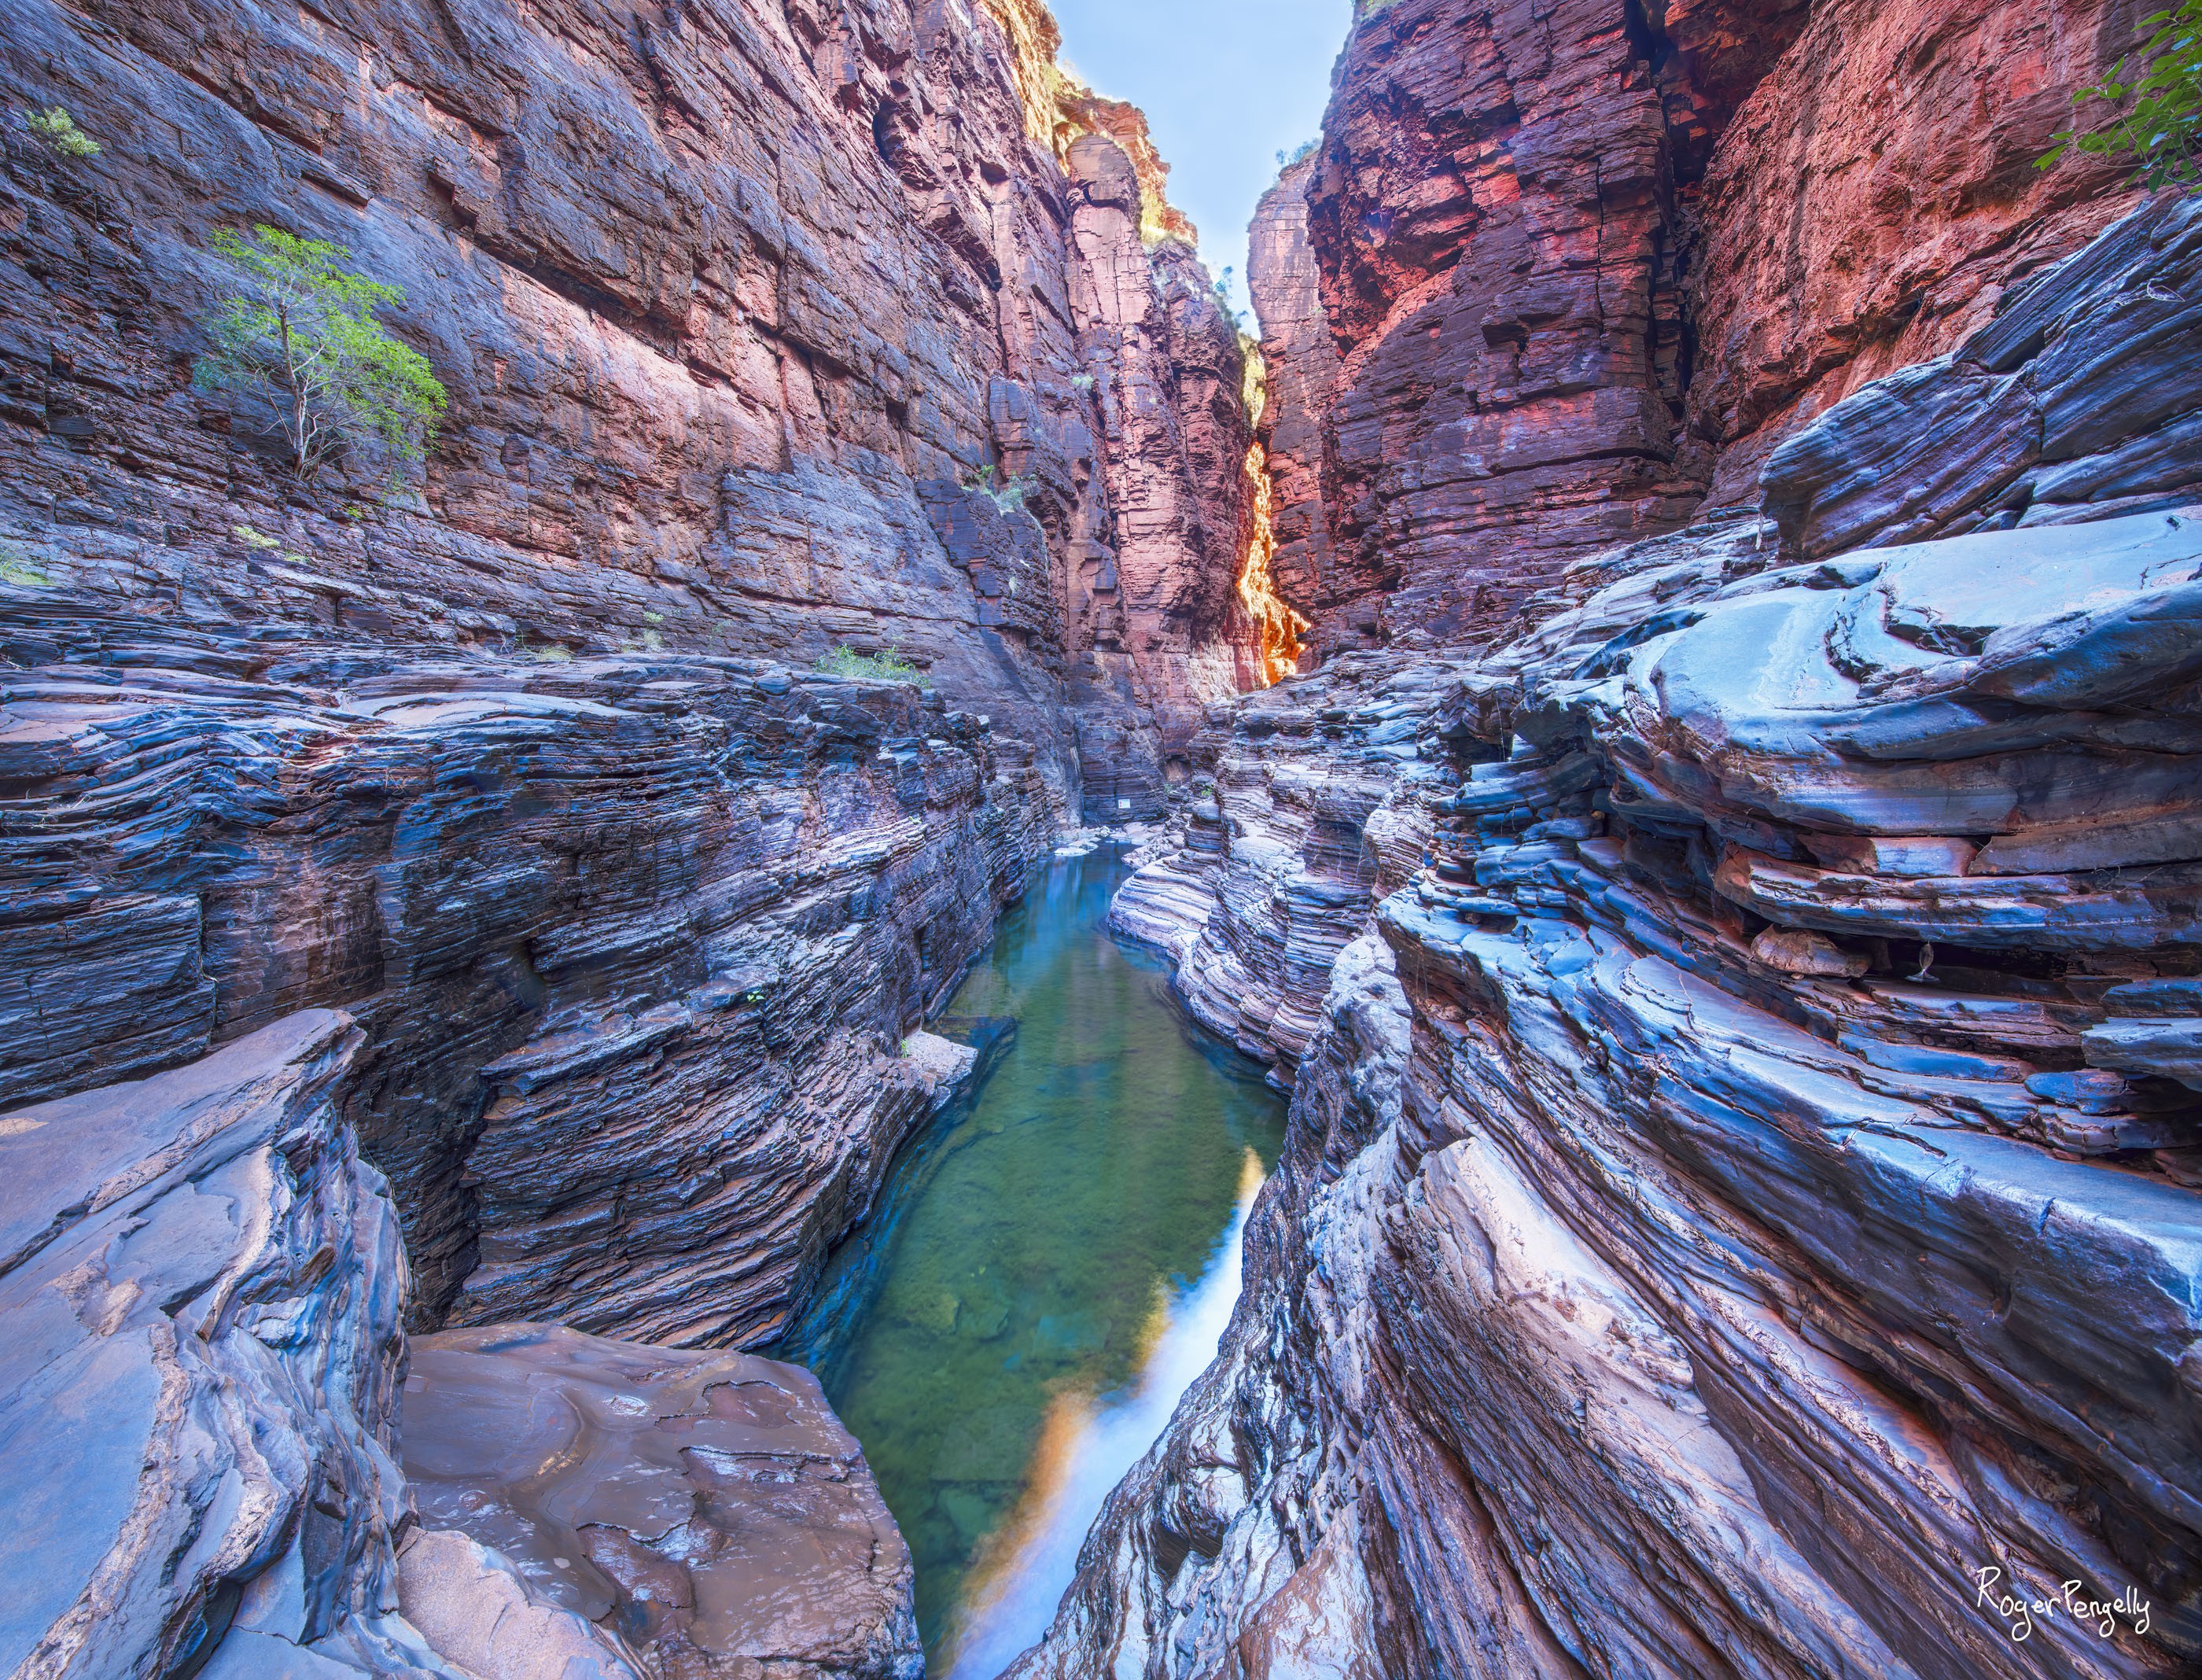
<point x="1055" y="1264"/>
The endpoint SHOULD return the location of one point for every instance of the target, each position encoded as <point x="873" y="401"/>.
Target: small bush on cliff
<point x="299" y="334"/>
<point x="2161" y="128"/>
<point x="1009" y="495"/>
<point x="1298" y="154"/>
<point x="886" y="666"/>
<point x="57" y="131"/>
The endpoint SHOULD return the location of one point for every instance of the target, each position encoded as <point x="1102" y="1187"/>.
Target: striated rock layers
<point x="637" y="944"/>
<point x="768" y="328"/>
<point x="201" y="1290"/>
<point x="1557" y="271"/>
<point x="1739" y="1210"/>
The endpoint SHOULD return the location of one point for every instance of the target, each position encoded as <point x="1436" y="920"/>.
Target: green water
<point x="1031" y="1248"/>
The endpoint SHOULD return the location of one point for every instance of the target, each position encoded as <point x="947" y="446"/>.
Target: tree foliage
<point x="56" y="129"/>
<point x="2159" y="119"/>
<point x="299" y="331"/>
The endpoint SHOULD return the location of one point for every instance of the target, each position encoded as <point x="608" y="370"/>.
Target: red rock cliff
<point x="1580" y="265"/>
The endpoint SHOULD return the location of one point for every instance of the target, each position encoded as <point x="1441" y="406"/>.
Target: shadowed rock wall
<point x="692" y="907"/>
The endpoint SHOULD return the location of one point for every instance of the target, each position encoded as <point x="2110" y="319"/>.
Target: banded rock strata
<point x="1557" y="271"/>
<point x="1741" y="1191"/>
<point x="689" y="906"/>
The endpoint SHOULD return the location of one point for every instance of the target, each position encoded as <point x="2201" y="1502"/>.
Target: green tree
<point x="299" y="333"/>
<point x="2161" y="128"/>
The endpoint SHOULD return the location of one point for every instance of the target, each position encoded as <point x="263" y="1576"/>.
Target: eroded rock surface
<point x="1557" y="271"/>
<point x="707" y="1507"/>
<point x="200" y="1292"/>
<point x="636" y="943"/>
<point x="1740" y="1207"/>
<point x="736" y="311"/>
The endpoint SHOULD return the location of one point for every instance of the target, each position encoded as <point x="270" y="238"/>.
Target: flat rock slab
<point x="707" y="1507"/>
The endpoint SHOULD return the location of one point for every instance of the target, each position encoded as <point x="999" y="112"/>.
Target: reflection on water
<point x="1052" y="1271"/>
<point x="1086" y="1447"/>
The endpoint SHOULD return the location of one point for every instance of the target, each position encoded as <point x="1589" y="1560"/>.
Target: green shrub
<point x="1298" y="154"/>
<point x="2160" y="129"/>
<point x="1009" y="497"/>
<point x="888" y="666"/>
<point x="59" y="131"/>
<point x="299" y="333"/>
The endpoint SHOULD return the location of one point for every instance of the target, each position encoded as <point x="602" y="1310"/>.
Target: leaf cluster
<point x="299" y="331"/>
<point x="2161" y="128"/>
<point x="58" y="129"/>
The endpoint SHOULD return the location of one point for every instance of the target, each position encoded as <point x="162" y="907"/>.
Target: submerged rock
<point x="708" y="1508"/>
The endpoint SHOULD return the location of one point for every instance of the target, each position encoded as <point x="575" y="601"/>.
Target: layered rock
<point x="691" y="907"/>
<point x="733" y="310"/>
<point x="1579" y="267"/>
<point x="1160" y="629"/>
<point x="1876" y="198"/>
<point x="200" y="1289"/>
<point x="1738" y="1207"/>
<point x="1304" y="816"/>
<point x="708" y="1508"/>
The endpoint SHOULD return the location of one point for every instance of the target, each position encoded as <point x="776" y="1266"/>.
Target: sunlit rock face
<point x="707" y="1509"/>
<point x="1741" y="1205"/>
<point x="1158" y="624"/>
<point x="1556" y="271"/>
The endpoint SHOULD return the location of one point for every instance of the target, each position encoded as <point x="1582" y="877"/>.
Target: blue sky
<point x="1226" y="86"/>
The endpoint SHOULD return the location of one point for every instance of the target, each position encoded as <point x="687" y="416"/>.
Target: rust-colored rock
<point x="1874" y="199"/>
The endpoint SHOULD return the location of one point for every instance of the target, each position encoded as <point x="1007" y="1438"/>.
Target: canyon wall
<point x="1739" y="986"/>
<point x="1738" y="1208"/>
<point x="1581" y="265"/>
<point x="768" y="329"/>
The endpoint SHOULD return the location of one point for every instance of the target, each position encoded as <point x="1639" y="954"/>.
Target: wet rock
<point x="706" y="1508"/>
<point x="471" y="1605"/>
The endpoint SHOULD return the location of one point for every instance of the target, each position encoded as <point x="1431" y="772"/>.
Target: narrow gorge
<point x="928" y="958"/>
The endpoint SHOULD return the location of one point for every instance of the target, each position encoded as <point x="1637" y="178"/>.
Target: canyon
<point x="1660" y="704"/>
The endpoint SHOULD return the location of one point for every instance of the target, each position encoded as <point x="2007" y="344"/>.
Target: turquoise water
<point x="1054" y="1265"/>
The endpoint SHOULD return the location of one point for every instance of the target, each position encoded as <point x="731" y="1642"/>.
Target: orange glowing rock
<point x="1277" y="627"/>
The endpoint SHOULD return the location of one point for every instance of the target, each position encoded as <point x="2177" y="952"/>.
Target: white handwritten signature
<point x="2021" y="1612"/>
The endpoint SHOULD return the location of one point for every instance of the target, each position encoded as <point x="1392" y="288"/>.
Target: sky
<point x="1226" y="84"/>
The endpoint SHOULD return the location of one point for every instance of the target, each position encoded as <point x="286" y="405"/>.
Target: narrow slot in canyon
<point x="791" y="889"/>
